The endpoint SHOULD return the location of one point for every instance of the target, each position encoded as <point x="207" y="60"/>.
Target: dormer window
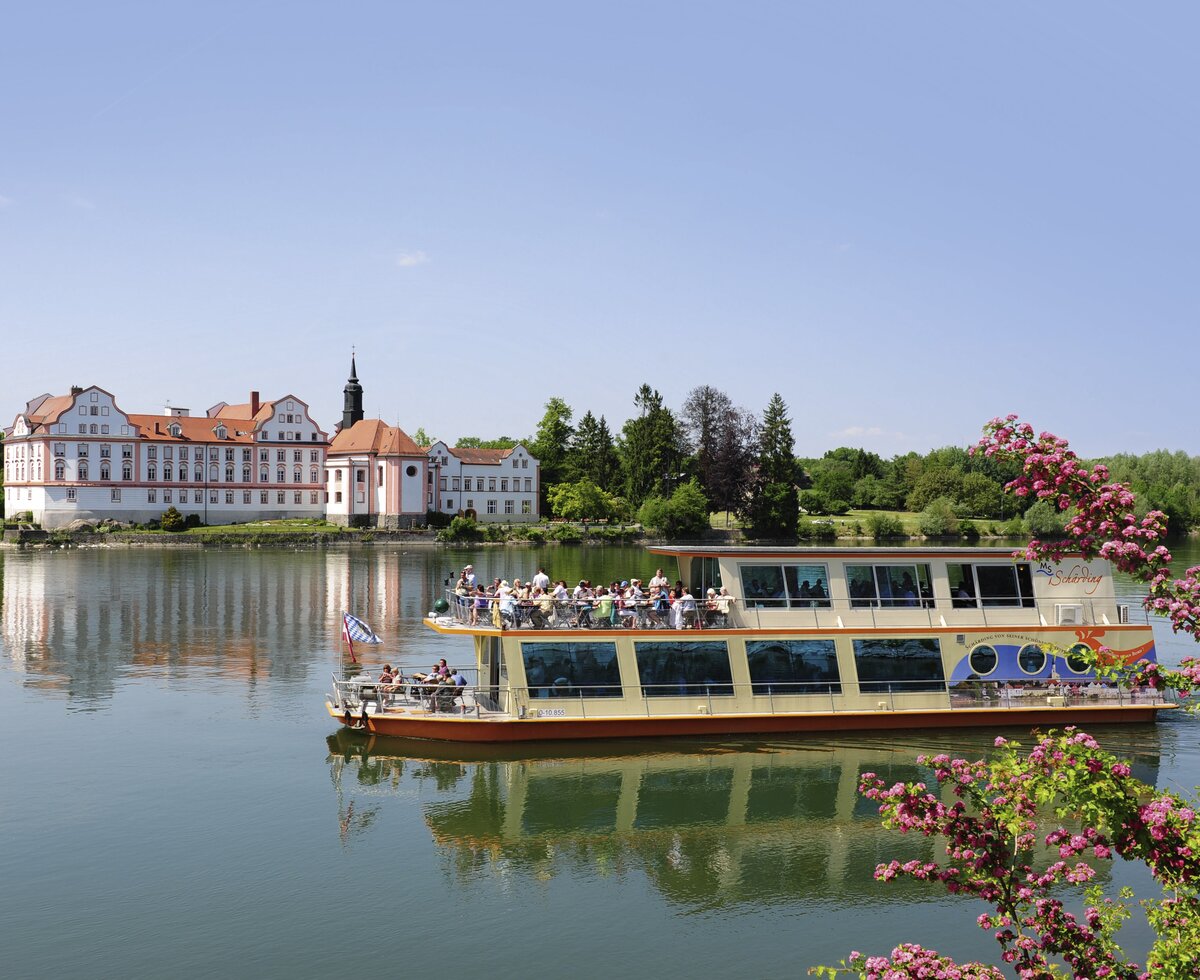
<point x="220" y="431"/>
<point x="175" y="430"/>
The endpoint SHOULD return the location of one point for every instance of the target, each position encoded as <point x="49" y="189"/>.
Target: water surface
<point x="177" y="803"/>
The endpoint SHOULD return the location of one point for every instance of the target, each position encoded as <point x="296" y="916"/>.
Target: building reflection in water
<point x="78" y="622"/>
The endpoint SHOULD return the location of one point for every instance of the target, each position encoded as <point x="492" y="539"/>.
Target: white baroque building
<point x="491" y="485"/>
<point x="79" y="456"/>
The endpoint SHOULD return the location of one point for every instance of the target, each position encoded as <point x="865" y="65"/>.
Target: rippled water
<point x="177" y="803"/>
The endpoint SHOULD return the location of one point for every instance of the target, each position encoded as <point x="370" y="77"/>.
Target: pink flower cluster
<point x="1101" y="523"/>
<point x="908" y="960"/>
<point x="996" y="852"/>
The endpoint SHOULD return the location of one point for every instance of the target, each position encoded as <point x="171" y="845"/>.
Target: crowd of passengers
<point x="542" y="603"/>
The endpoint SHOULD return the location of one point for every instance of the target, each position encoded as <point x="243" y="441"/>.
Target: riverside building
<point x="79" y="456"/>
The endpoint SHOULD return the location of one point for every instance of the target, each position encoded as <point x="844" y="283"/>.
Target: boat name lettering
<point x="1078" y="575"/>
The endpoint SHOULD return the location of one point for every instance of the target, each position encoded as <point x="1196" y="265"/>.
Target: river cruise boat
<point x="787" y="640"/>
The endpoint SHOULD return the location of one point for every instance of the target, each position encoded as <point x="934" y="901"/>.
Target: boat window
<point x="1077" y="658"/>
<point x="983" y="660"/>
<point x="709" y="570"/>
<point x="572" y="670"/>
<point x="684" y="668"/>
<point x="890" y="586"/>
<point x="900" y="666"/>
<point x="1031" y="658"/>
<point x="993" y="585"/>
<point x="793" y="666"/>
<point x="785" y="585"/>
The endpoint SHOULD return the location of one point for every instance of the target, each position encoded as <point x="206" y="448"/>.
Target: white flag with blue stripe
<point x="359" y="631"/>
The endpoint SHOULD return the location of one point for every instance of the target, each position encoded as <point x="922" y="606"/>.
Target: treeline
<point x="670" y="469"/>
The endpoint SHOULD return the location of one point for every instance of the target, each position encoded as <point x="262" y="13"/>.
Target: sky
<point x="906" y="218"/>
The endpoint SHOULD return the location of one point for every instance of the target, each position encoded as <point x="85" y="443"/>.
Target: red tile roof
<point x="374" y="436"/>
<point x="192" y="428"/>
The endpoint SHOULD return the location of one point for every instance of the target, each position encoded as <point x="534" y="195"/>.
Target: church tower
<point x="353" y="407"/>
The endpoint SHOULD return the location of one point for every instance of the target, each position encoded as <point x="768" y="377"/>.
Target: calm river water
<point x="177" y="803"/>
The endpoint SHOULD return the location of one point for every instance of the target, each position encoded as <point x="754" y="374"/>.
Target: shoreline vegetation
<point x="854" y="528"/>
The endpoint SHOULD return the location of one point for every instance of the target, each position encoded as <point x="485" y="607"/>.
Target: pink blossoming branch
<point x="1010" y="842"/>
<point x="1101" y="523"/>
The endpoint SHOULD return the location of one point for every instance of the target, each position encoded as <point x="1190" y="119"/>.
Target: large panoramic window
<point x="990" y="585"/>
<point x="793" y="666"/>
<point x="900" y="666"/>
<point x="783" y="585"/>
<point x="684" y="668"/>
<point x="890" y="586"/>
<point x="566" y="670"/>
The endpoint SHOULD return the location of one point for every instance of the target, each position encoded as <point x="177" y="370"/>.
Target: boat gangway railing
<point x="491" y="612"/>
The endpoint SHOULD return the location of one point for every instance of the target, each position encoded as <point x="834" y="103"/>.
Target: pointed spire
<point x="353" y="406"/>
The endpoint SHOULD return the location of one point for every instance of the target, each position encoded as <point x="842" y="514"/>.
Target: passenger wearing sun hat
<point x="469" y="572"/>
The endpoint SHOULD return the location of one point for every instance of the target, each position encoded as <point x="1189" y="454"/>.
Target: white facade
<point x="491" y="485"/>
<point x="376" y="477"/>
<point x="79" y="456"/>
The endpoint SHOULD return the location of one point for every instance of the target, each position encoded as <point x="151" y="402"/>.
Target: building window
<point x="514" y="462"/>
<point x="197" y="496"/>
<point x="246" y="474"/>
<point x="281" y="456"/>
<point x="279" y="497"/>
<point x="312" y="497"/>
<point x="229" y="474"/>
<point x="263" y="475"/>
<point x="410" y="470"/>
<point x="296" y="456"/>
<point x="296" y="497"/>
<point x="450" y="504"/>
<point x="229" y="455"/>
<point x="183" y="452"/>
<point x="127" y="453"/>
<point x="151" y="496"/>
<point x="60" y="470"/>
<point x="263" y="456"/>
<point x="167" y="497"/>
<point x="245" y="455"/>
<point x="83" y="471"/>
<point x="528" y="484"/>
<point x="526" y="507"/>
<point x="491" y="506"/>
<point x="151" y="472"/>
<point x="280" y="475"/>
<point x="297" y="475"/>
<point x="105" y="472"/>
<point x="504" y="486"/>
<point x="429" y="499"/>
<point x="105" y="451"/>
<point x="470" y="504"/>
<point x="442" y="484"/>
<point x="116" y="495"/>
<point x="126" y="471"/>
<point x="83" y="450"/>
<point x="337" y="476"/>
<point x="454" y="483"/>
<point x="167" y="471"/>
<point x="229" y="496"/>
<point x="314" y="456"/>
<point x="245" y="496"/>
<point x="492" y="484"/>
<point x="524" y="464"/>
<point x="262" y="496"/>
<point x="508" y="507"/>
<point x="379" y="475"/>
<point x="152" y="452"/>
<point x="337" y="496"/>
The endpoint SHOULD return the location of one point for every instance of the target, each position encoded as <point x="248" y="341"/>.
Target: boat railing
<point x="354" y="693"/>
<point x="729" y="612"/>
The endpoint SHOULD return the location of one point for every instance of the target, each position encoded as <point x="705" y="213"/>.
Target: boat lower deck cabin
<point x="776" y="640"/>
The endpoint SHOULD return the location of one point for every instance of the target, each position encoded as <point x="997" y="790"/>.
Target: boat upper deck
<point x="821" y="589"/>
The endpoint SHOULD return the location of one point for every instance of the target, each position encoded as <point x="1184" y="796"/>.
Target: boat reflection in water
<point x="709" y="823"/>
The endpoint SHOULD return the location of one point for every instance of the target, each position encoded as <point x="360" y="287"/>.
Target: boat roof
<point x="894" y="551"/>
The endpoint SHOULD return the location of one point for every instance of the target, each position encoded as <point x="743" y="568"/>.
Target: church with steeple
<point x="378" y="476"/>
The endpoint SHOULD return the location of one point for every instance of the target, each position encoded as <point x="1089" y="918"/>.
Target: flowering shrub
<point x="1022" y="828"/>
<point x="1020" y="833"/>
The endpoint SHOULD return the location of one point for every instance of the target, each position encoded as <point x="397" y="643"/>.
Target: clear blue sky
<point x="904" y="217"/>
